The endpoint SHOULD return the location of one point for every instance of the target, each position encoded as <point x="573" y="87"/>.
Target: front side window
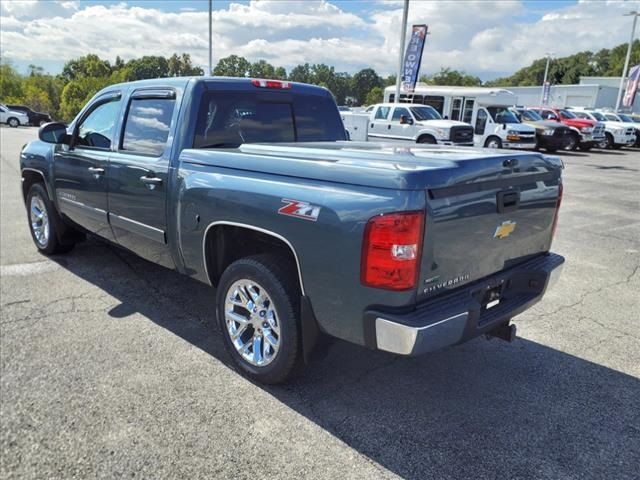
<point x="549" y="115"/>
<point x="398" y="112"/>
<point x="582" y="115"/>
<point x="567" y="114"/>
<point x="147" y="125"/>
<point x="625" y="118"/>
<point x="382" y="113"/>
<point x="481" y="122"/>
<point x="598" y="116"/>
<point x="96" y="130"/>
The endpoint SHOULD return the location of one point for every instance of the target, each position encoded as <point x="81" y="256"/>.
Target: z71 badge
<point x="298" y="209"/>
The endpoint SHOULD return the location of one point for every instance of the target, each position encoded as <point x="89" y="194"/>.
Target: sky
<point x="487" y="38"/>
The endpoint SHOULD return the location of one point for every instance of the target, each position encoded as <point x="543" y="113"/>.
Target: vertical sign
<point x="412" y="57"/>
<point x="545" y="93"/>
<point x="632" y="86"/>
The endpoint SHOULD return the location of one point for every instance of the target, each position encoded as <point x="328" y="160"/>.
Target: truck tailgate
<point x="500" y="213"/>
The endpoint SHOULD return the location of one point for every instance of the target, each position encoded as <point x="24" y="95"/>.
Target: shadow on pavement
<point x="479" y="410"/>
<point x="612" y="167"/>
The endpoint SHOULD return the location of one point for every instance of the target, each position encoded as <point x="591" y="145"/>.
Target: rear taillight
<point x="555" y="217"/>
<point x="391" y="251"/>
<point x="271" y="84"/>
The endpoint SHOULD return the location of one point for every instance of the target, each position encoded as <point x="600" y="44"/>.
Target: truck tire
<point x="257" y="307"/>
<point x="574" y="141"/>
<point x="607" y="143"/>
<point x="44" y="222"/>
<point x="427" y="139"/>
<point x="13" y="122"/>
<point x="493" y="142"/>
<point x="585" y="148"/>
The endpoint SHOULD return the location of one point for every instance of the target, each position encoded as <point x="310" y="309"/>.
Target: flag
<point x="632" y="86"/>
<point x="412" y="57"/>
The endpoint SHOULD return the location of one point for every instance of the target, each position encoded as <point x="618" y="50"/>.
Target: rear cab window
<point x="231" y="118"/>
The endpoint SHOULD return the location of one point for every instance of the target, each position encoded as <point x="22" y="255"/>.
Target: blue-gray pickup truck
<point x="251" y="186"/>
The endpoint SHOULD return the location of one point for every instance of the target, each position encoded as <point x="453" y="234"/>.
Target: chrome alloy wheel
<point x="39" y="220"/>
<point x="252" y="322"/>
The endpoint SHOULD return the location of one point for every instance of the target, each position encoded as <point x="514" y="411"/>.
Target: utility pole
<point x="546" y="72"/>
<point x="626" y="62"/>
<point x="210" y="37"/>
<point x="403" y="35"/>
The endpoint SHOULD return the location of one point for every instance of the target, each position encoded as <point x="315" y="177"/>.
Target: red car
<point x="586" y="133"/>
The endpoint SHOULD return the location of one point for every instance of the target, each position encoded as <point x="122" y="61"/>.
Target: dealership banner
<point x="412" y="57"/>
<point x="545" y="93"/>
<point x="632" y="86"/>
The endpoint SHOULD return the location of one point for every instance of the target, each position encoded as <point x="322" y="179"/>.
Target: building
<point x="591" y="92"/>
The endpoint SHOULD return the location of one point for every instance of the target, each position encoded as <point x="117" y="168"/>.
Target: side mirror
<point x="446" y="117"/>
<point x="54" y="133"/>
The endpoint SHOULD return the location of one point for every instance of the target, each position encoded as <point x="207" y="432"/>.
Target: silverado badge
<point x="505" y="229"/>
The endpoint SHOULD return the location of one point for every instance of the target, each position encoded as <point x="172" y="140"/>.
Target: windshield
<point x="625" y="118"/>
<point x="231" y="118"/>
<point x="598" y="116"/>
<point x="425" y="113"/>
<point x="567" y="114"/>
<point x="502" y="115"/>
<point x="531" y="115"/>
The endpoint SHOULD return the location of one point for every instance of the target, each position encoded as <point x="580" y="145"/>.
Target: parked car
<point x="249" y="186"/>
<point x="12" y="118"/>
<point x="626" y="120"/>
<point x="617" y="134"/>
<point x="35" y="118"/>
<point x="344" y="108"/>
<point x="485" y="109"/>
<point x="587" y="133"/>
<point x="406" y="123"/>
<point x="549" y="135"/>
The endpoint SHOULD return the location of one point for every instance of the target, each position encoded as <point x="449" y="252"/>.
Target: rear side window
<point x="382" y="113"/>
<point x="229" y="119"/>
<point x="147" y="125"/>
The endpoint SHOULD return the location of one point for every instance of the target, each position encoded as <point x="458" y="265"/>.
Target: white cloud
<point x="476" y="36"/>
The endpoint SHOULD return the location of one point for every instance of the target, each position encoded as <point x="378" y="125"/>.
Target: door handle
<point x="96" y="172"/>
<point x="388" y="127"/>
<point x="151" y="182"/>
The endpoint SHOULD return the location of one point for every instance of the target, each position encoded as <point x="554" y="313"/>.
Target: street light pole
<point x="210" y="37"/>
<point x="403" y="35"/>
<point x="626" y="62"/>
<point x="546" y="72"/>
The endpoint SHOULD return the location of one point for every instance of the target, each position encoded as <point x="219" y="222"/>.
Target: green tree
<point x="181" y="65"/>
<point x="280" y="74"/>
<point x="88" y="66"/>
<point x="10" y="82"/>
<point x="147" y="67"/>
<point x="262" y="69"/>
<point x="301" y="73"/>
<point x="447" y="76"/>
<point x="232" y="66"/>
<point x="374" y="96"/>
<point x="363" y="82"/>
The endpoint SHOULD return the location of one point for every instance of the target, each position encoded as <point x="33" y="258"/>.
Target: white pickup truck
<point x="406" y="123"/>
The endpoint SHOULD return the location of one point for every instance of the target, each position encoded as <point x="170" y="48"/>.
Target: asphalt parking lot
<point x="109" y="368"/>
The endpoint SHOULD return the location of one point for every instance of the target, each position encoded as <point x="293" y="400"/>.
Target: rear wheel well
<point x="224" y="244"/>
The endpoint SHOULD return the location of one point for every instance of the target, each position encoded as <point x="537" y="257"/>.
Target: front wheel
<point x="573" y="142"/>
<point x="493" y="142"/>
<point x="607" y="143"/>
<point x="13" y="122"/>
<point x="257" y="310"/>
<point x="43" y="222"/>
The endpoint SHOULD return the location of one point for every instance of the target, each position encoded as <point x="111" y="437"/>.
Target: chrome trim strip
<point x="257" y="229"/>
<point x="397" y="338"/>
<point x="93" y="212"/>
<point x="138" y="228"/>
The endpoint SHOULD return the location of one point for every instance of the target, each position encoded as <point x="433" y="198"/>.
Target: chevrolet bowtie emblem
<point x="505" y="229"/>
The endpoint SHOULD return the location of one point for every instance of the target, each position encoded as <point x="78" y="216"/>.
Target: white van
<point x="486" y="109"/>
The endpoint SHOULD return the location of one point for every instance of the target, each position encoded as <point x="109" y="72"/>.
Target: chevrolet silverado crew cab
<point x="404" y="123"/>
<point x="249" y="186"/>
